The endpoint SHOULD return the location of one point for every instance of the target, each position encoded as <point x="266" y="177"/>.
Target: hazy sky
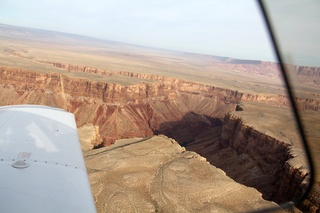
<point x="218" y="27"/>
<point x="297" y="25"/>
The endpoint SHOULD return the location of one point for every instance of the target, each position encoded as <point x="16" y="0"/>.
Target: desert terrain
<point x="169" y="131"/>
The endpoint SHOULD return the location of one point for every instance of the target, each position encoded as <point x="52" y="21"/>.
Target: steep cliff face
<point x="163" y="106"/>
<point x="120" y="111"/>
<point x="285" y="172"/>
<point x="305" y="75"/>
<point x="266" y="146"/>
<point x="78" y="68"/>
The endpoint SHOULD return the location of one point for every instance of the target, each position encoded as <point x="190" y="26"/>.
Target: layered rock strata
<point x="304" y="74"/>
<point x="180" y="109"/>
<point x="120" y="111"/>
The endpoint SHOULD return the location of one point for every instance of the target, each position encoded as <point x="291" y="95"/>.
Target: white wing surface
<point x="41" y="163"/>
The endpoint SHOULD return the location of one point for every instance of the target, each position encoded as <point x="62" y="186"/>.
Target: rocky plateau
<point x="156" y="174"/>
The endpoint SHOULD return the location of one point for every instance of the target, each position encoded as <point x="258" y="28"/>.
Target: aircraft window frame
<point x="301" y="129"/>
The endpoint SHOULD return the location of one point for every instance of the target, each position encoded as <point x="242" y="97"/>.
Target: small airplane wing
<point x="41" y="163"/>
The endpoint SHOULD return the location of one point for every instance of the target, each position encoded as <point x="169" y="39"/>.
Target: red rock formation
<point x="127" y="111"/>
<point x="119" y="111"/>
<point x="178" y="108"/>
<point x="305" y="74"/>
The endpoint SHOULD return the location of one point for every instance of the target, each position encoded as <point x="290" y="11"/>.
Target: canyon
<point x="136" y="110"/>
<point x="165" y="131"/>
<point x="202" y="118"/>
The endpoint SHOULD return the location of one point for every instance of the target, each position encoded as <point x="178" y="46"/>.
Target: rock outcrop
<point x="89" y="137"/>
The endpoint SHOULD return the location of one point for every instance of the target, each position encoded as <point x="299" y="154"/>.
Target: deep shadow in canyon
<point x="191" y="125"/>
<point x="257" y="160"/>
<point x="202" y="134"/>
